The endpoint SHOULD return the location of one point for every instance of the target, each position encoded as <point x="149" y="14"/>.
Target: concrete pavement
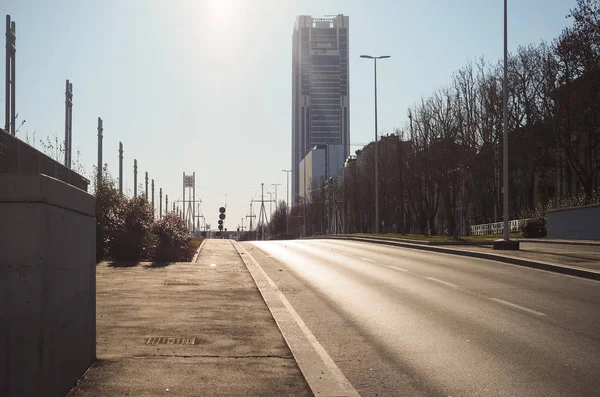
<point x="187" y="329"/>
<point x="410" y="322"/>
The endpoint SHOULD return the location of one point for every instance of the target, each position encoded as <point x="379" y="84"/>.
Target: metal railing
<point x="496" y="228"/>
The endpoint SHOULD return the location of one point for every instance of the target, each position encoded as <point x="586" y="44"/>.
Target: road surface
<point x="400" y="321"/>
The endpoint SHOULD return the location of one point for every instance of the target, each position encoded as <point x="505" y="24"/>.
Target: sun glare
<point x="222" y="10"/>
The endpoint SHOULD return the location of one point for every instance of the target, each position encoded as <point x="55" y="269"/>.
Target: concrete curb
<point x="562" y="269"/>
<point x="420" y="242"/>
<point x="569" y="242"/>
<point x="195" y="258"/>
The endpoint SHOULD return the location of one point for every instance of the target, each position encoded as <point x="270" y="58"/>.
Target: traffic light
<point x="221" y="218"/>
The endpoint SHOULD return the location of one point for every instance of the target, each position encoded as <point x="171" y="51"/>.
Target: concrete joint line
<point x="195" y="258"/>
<point x="321" y="373"/>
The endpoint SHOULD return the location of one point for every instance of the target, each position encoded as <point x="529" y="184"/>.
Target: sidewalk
<point x="187" y="329"/>
<point x="582" y="260"/>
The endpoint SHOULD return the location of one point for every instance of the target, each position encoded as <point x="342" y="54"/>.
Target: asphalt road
<point x="401" y="321"/>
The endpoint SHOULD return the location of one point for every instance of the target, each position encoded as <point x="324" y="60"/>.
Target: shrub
<point x="534" y="228"/>
<point x="135" y="240"/>
<point x="173" y="239"/>
<point x="110" y="214"/>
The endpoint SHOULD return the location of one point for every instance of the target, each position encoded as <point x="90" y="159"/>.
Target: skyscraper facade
<point x="320" y="91"/>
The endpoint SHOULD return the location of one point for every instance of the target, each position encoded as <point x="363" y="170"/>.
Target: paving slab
<point x="188" y="329"/>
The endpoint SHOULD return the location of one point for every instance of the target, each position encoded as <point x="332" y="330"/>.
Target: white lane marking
<point x="397" y="268"/>
<point x="367" y="259"/>
<point x="298" y="346"/>
<point x="442" y="282"/>
<point x="515" y="306"/>
<point x="213" y="265"/>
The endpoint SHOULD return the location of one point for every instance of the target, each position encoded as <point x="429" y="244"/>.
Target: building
<point x="320" y="91"/>
<point x="317" y="166"/>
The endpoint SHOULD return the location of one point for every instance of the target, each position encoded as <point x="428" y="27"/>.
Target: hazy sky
<point x="205" y="85"/>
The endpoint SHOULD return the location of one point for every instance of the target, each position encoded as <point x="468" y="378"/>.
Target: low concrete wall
<point x="47" y="285"/>
<point x="579" y="223"/>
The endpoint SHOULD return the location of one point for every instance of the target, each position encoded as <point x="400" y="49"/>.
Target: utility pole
<point x="99" y="170"/>
<point x="121" y="168"/>
<point x="251" y="216"/>
<point x="68" y="123"/>
<point x="160" y="203"/>
<point x="135" y="178"/>
<point x="184" y="195"/>
<point x="147" y="185"/>
<point x="166" y="204"/>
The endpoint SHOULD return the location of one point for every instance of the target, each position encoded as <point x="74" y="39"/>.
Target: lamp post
<point x="505" y="243"/>
<point x="376" y="172"/>
<point x="287" y="199"/>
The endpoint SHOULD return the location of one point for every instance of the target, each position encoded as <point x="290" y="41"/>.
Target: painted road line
<point x="367" y="259"/>
<point x="515" y="306"/>
<point x="320" y="371"/>
<point x="401" y="269"/>
<point x="442" y="282"/>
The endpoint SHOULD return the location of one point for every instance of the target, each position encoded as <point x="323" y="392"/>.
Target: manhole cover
<point x="160" y="340"/>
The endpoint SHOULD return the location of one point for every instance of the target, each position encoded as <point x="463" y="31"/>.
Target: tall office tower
<point x="320" y="92"/>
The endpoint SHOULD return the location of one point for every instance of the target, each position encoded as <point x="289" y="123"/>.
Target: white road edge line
<point x="397" y="268"/>
<point x="515" y="306"/>
<point x="367" y="259"/>
<point x="296" y="346"/>
<point x="442" y="282"/>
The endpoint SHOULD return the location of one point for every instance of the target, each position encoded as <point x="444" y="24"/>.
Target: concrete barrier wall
<point x="580" y="223"/>
<point x="47" y="285"/>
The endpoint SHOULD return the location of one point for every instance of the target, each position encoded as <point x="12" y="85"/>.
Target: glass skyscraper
<point x="320" y="91"/>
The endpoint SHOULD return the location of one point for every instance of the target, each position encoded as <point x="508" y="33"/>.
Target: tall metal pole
<point x="160" y="203"/>
<point x="153" y="210"/>
<point x="147" y="185"/>
<point x="135" y="178"/>
<point x="100" y="165"/>
<point x="12" y="81"/>
<point x="376" y="161"/>
<point x="166" y="204"/>
<point x="287" y="201"/>
<point x="194" y="202"/>
<point x="7" y="82"/>
<point x="505" y="127"/>
<point x="67" y="100"/>
<point x="70" y="124"/>
<point x="183" y="196"/>
<point x="121" y="168"/>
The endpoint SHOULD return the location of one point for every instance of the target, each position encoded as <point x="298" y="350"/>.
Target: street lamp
<point x="287" y="199"/>
<point x="376" y="173"/>
<point x="505" y="243"/>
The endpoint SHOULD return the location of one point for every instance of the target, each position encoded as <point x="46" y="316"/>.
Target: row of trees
<point x="442" y="170"/>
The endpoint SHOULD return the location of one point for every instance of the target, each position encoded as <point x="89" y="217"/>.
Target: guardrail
<point x="496" y="228"/>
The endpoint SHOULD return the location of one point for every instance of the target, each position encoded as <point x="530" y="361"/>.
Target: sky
<point x="204" y="86"/>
